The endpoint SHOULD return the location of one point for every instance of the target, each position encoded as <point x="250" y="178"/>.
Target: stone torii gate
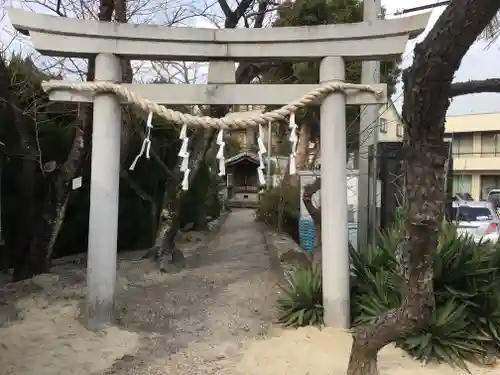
<point x="333" y="44"/>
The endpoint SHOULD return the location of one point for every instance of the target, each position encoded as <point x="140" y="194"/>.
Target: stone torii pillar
<point x="334" y="44"/>
<point x="104" y="195"/>
<point x="335" y="264"/>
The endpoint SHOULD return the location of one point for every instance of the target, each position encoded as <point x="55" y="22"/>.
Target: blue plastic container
<point x="307" y="234"/>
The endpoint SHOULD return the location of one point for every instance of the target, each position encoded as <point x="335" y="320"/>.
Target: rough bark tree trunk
<point x="426" y="100"/>
<point x="120" y="8"/>
<point x="168" y="254"/>
<point x="55" y="203"/>
<point x="302" y="153"/>
<point x="60" y="181"/>
<point x="48" y="226"/>
<point x="315" y="213"/>
<point x="141" y="193"/>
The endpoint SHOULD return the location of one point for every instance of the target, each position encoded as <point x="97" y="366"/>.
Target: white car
<point x="494" y="198"/>
<point x="478" y="219"/>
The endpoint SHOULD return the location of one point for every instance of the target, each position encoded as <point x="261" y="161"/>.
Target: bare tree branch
<point x="136" y="187"/>
<point x="225" y="8"/>
<point x="261" y="13"/>
<point x="241" y="10"/>
<point x="475" y="87"/>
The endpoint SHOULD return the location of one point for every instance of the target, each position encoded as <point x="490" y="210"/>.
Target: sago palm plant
<point x="301" y="303"/>
<point x="466" y="323"/>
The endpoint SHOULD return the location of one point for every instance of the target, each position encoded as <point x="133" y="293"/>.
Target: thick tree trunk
<point x="145" y="197"/>
<point x="56" y="201"/>
<point x="426" y="100"/>
<point x="172" y="259"/>
<point x="161" y="232"/>
<point x="168" y="253"/>
<point x="305" y="135"/>
<point x="362" y="362"/>
<point x="315" y="155"/>
<point x="302" y="153"/>
<point x="120" y="8"/>
<point x="47" y="230"/>
<point x="55" y="204"/>
<point x="315" y="213"/>
<point x="164" y="252"/>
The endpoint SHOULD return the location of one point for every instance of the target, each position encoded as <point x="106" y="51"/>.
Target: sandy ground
<point x="51" y="341"/>
<point x="184" y="323"/>
<point x="326" y="352"/>
<point x="216" y="317"/>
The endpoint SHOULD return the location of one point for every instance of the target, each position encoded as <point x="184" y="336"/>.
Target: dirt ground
<point x="192" y="322"/>
<point x="216" y="317"/>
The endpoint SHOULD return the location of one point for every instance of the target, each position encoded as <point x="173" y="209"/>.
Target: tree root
<point x="169" y="261"/>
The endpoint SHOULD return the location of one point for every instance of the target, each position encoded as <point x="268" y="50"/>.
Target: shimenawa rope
<point x="180" y="118"/>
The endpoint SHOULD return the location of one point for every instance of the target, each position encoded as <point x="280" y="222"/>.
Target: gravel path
<point x="200" y="320"/>
<point x="193" y="322"/>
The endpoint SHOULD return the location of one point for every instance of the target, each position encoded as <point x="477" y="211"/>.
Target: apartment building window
<point x="462" y="184"/>
<point x="490" y="144"/>
<point x="489" y="182"/>
<point x="461" y="144"/>
<point x="383" y="125"/>
<point x="400" y="130"/>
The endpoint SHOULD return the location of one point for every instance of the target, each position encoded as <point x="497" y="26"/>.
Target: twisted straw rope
<point x="180" y="118"/>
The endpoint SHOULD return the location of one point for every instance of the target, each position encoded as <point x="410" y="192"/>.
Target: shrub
<point x="301" y="303"/>
<point x="466" y="323"/>
<point x="279" y="208"/>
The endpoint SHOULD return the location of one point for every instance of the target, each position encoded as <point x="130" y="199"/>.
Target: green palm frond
<point x="301" y="303"/>
<point x="466" y="323"/>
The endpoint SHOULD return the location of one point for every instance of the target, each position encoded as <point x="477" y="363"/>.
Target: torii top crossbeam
<point x="58" y="36"/>
<point x="82" y="38"/>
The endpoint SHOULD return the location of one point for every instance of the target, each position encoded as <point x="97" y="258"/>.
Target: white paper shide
<point x="184" y="155"/>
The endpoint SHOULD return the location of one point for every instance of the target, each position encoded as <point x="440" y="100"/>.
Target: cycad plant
<point x="466" y="323"/>
<point x="301" y="303"/>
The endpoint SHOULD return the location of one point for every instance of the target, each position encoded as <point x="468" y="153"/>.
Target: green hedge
<point x="279" y="208"/>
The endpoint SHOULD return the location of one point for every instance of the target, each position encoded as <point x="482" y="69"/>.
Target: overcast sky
<point x="479" y="63"/>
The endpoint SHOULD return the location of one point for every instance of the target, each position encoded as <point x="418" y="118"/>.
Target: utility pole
<point x="368" y="136"/>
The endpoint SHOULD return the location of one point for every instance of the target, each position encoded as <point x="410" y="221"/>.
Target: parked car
<point x="494" y="198"/>
<point x="478" y="219"/>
